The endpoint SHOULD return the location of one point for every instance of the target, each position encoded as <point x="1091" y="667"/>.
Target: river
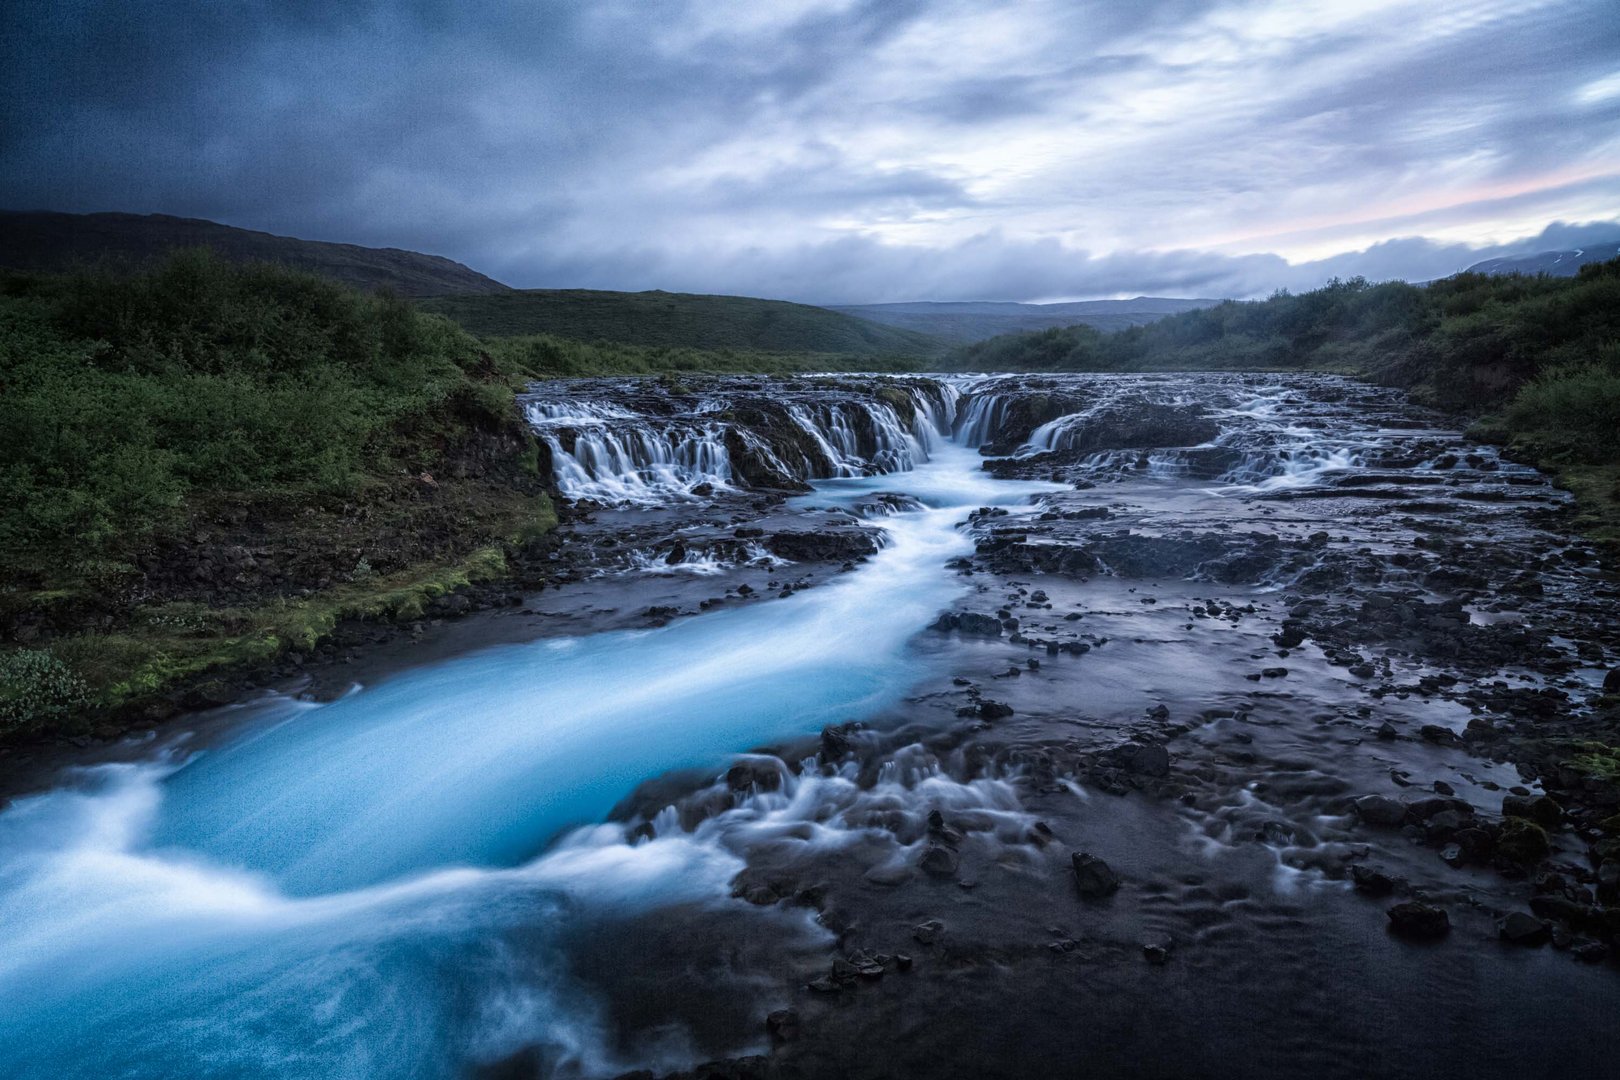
<point x="425" y="876"/>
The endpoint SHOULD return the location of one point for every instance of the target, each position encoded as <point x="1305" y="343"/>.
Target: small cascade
<point x="982" y="417"/>
<point x="1291" y="467"/>
<point x="637" y="442"/>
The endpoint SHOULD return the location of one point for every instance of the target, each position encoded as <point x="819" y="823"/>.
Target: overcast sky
<point x="840" y="151"/>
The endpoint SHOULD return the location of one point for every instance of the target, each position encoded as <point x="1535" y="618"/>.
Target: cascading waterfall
<point x="610" y="450"/>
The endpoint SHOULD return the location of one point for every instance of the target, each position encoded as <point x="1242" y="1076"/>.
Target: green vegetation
<point x="1535" y="359"/>
<point x="203" y="464"/>
<point x="681" y="321"/>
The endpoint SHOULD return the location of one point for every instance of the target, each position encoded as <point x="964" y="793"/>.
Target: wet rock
<point x="1523" y="841"/>
<point x="1093" y="878"/>
<point x="993" y="710"/>
<point x="831" y="545"/>
<point x="836" y="741"/>
<point x="1291" y="636"/>
<point x="939" y="861"/>
<point x="1419" y="921"/>
<point x="755" y="774"/>
<point x="782" y="1025"/>
<point x="928" y="931"/>
<point x="1371" y="882"/>
<point x="971" y="622"/>
<point x="1143" y="759"/>
<point x="1520" y="928"/>
<point x="1541" y="809"/>
<point x="1611" y="682"/>
<point x="1156" y="954"/>
<point x="1380" y="810"/>
<point x="1589" y="952"/>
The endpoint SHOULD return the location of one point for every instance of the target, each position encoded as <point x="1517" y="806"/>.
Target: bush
<point x="123" y="397"/>
<point x="37" y="689"/>
<point x="1572" y="410"/>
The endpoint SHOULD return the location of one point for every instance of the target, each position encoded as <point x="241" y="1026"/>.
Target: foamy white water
<point x="344" y="891"/>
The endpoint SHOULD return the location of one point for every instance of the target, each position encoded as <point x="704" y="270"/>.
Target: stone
<point x="1521" y="928"/>
<point x="783" y="1025"/>
<point x="1522" y="841"/>
<point x="939" y="861"/>
<point x="1371" y="882"/>
<point x="1541" y="809"/>
<point x="1093" y="877"/>
<point x="1380" y="810"/>
<point x="928" y="931"/>
<point x="1419" y="921"/>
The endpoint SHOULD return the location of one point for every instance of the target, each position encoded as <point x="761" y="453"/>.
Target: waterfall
<point x="638" y="442"/>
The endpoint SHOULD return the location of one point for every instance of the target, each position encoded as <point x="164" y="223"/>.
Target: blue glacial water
<point x="376" y="886"/>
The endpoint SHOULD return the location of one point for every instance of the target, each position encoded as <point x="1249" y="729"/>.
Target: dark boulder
<point x="1093" y="878"/>
<point x="1541" y="809"/>
<point x="1372" y="882"/>
<point x="969" y="622"/>
<point x="939" y="861"/>
<point x="831" y="545"/>
<point x="782" y="1025"/>
<point x="1522" y="841"/>
<point x="1420" y="921"/>
<point x="1380" y="810"/>
<point x="1521" y="928"/>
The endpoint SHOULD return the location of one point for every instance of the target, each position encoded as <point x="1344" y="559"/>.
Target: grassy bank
<point x="204" y="466"/>
<point x="1534" y="361"/>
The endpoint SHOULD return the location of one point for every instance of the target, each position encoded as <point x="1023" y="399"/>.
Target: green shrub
<point x="1572" y="409"/>
<point x="36" y="690"/>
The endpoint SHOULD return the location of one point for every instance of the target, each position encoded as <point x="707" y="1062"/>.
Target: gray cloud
<point x="838" y="151"/>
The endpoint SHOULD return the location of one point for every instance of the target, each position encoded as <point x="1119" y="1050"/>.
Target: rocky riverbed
<point x="1172" y="725"/>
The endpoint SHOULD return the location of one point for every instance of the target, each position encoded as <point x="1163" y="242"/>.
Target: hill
<point x="1566" y="263"/>
<point x="46" y="241"/>
<point x="680" y="320"/>
<point x="965" y="323"/>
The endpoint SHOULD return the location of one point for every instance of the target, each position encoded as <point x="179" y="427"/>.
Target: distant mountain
<point x="1557" y="263"/>
<point x="680" y="320"/>
<point x="964" y="323"/>
<point x="40" y="240"/>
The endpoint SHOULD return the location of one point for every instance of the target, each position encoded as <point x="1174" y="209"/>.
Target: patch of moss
<point x="1523" y="841"/>
<point x="1597" y="761"/>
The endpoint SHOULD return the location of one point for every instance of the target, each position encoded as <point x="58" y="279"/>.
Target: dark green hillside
<point x="44" y="241"/>
<point x="679" y="320"/>
<point x="964" y="323"/>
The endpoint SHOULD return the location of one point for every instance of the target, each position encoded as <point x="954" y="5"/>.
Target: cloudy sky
<point x="845" y="150"/>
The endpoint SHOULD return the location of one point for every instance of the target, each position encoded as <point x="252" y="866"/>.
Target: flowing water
<point x="531" y="853"/>
<point x="367" y="887"/>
